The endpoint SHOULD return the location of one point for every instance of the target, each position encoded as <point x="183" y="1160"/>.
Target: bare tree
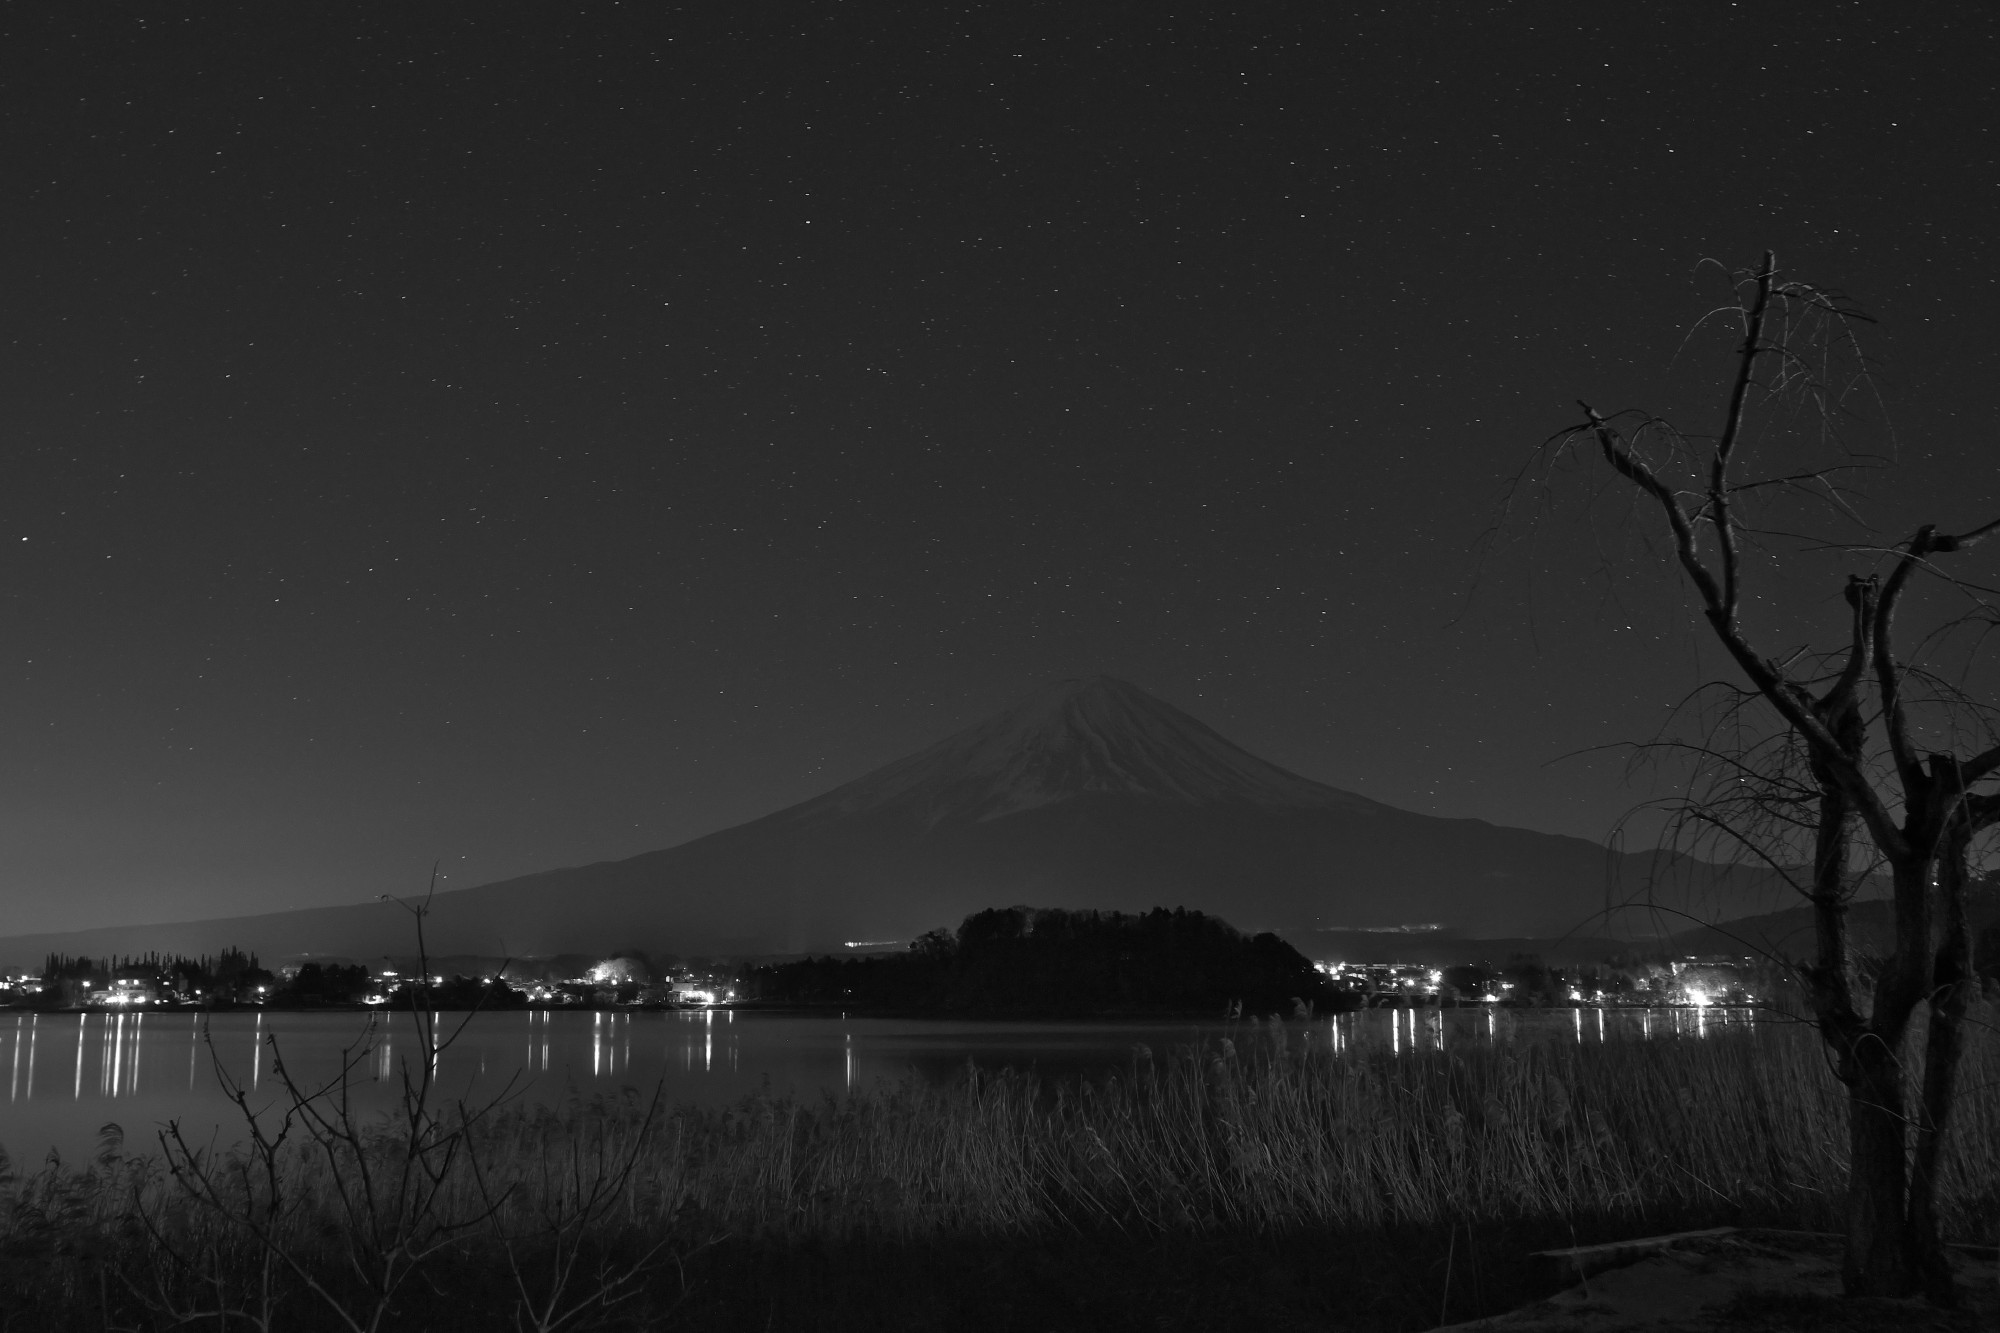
<point x="1867" y="764"/>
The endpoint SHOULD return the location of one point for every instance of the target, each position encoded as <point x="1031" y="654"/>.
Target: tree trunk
<point x="1923" y="1243"/>
<point x="1876" y="1262"/>
<point x="1951" y="983"/>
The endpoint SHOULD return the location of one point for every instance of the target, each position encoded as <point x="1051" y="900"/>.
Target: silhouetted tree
<point x="1533" y="982"/>
<point x="1863" y="764"/>
<point x="1469" y="980"/>
<point x="324" y="983"/>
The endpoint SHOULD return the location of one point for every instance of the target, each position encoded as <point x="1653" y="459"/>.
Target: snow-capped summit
<point x="1097" y="735"/>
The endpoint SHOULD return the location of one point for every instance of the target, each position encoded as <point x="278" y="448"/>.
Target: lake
<point x="69" y="1074"/>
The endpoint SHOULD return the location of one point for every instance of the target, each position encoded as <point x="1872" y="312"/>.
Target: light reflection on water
<point x="126" y="1066"/>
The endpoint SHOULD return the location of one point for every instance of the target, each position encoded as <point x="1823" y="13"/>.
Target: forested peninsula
<point x="1029" y="962"/>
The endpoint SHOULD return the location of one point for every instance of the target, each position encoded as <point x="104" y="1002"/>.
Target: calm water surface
<point x="67" y="1075"/>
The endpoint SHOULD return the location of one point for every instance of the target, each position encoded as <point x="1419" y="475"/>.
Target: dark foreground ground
<point x="1399" y="1280"/>
<point x="1117" y="1283"/>
<point x="1392" y="1281"/>
<point x="1273" y="1285"/>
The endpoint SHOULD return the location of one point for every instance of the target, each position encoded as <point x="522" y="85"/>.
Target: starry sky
<point x="518" y="435"/>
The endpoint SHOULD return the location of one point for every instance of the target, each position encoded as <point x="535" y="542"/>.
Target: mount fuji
<point x="1087" y="794"/>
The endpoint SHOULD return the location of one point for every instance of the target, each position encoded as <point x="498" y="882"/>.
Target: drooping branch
<point x="1732" y="431"/>
<point x="1786" y="696"/>
<point x="1912" y="556"/>
<point x="1981" y="813"/>
<point x="1634" y="469"/>
<point x="1982" y="765"/>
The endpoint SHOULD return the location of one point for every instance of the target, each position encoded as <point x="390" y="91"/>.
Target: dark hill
<point x="1047" y="963"/>
<point x="1088" y="794"/>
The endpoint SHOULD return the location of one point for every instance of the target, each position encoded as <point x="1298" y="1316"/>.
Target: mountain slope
<point x="1789" y="933"/>
<point x="1086" y="794"/>
<point x="1075" y="738"/>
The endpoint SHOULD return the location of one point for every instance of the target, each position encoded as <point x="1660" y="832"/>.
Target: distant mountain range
<point x="1088" y="793"/>
<point x="1871" y="929"/>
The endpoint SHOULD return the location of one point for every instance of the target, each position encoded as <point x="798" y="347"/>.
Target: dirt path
<point x="1743" y="1281"/>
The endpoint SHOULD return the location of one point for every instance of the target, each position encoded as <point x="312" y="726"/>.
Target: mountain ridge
<point x="1085" y="794"/>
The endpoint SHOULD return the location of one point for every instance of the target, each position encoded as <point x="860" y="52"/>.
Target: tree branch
<point x="1771" y="682"/>
<point x="1732" y="431"/>
<point x="1888" y="679"/>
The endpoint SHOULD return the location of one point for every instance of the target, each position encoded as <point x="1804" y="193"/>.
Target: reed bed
<point x="1274" y="1133"/>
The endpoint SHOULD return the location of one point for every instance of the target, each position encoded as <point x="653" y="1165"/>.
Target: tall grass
<point x="1279" y="1133"/>
<point x="1276" y="1133"/>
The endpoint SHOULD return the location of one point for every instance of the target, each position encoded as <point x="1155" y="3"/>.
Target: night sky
<point x="523" y="435"/>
